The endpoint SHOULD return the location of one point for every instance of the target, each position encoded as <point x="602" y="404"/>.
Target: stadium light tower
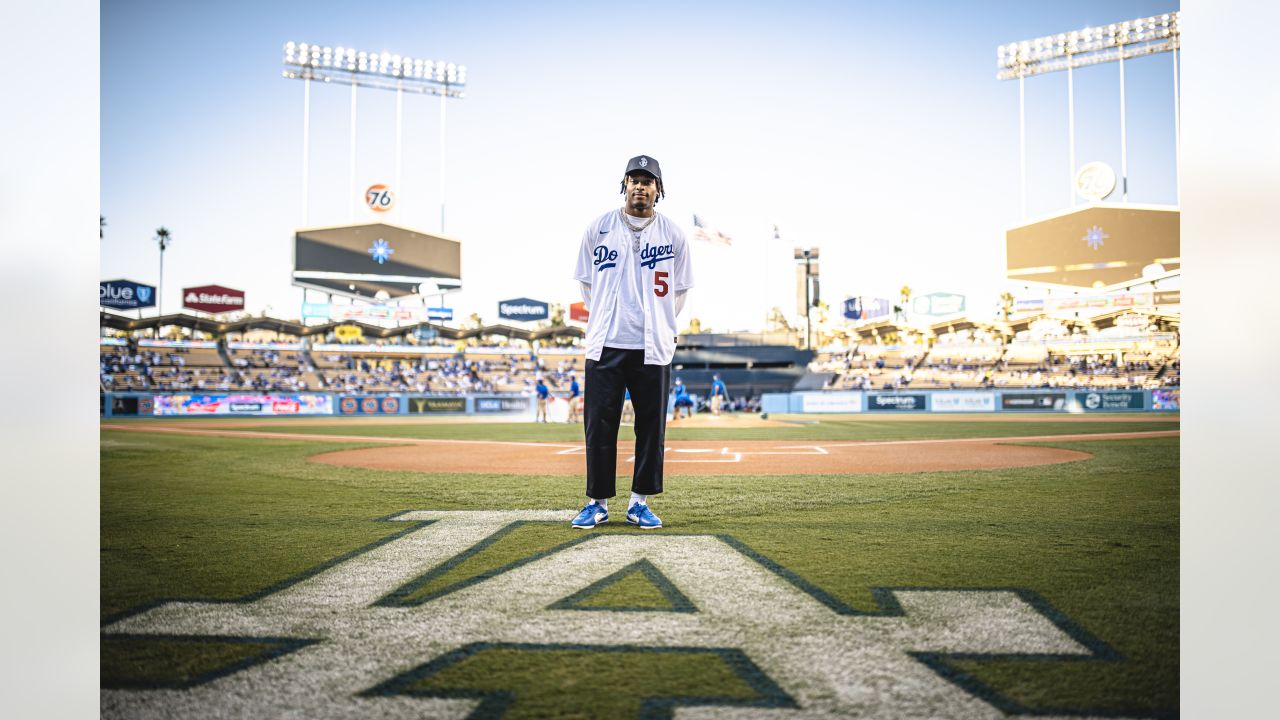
<point x="808" y="257"/>
<point x="163" y="239"/>
<point x="1091" y="46"/>
<point x="384" y="71"/>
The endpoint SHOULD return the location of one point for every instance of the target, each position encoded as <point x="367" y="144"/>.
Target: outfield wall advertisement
<point x="964" y="402"/>
<point x="1033" y="401"/>
<point x="829" y="402"/>
<point x="143" y="404"/>
<point x="369" y="405"/>
<point x="434" y="405"/>
<point x="503" y="404"/>
<point x="1107" y="400"/>
<point x="243" y="404"/>
<point x="898" y="402"/>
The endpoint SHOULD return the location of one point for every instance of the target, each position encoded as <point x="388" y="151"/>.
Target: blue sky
<point x="876" y="132"/>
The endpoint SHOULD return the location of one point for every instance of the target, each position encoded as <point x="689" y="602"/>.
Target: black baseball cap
<point x="644" y="163"/>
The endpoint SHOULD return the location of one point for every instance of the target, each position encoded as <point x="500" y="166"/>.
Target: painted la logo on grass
<point x="362" y="636"/>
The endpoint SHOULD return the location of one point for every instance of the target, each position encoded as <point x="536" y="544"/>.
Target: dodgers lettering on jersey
<point x="605" y="258"/>
<point x="651" y="256"/>
<point x="659" y="270"/>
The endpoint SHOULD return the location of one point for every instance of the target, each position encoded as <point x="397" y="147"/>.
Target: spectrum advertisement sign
<point x="896" y="402"/>
<point x="523" y="310"/>
<point x="125" y="295"/>
<point x="964" y="402"/>
<point x="243" y="404"/>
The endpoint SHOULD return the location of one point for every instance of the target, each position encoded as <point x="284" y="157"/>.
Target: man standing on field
<point x="719" y="394"/>
<point x="633" y="268"/>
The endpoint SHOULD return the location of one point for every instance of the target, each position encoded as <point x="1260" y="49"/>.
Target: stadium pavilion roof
<point x="1017" y="326"/>
<point x="948" y="326"/>
<point x="1162" y="320"/>
<point x="284" y="327"/>
<point x="883" y="327"/>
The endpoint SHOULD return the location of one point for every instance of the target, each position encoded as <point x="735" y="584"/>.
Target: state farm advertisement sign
<point x="213" y="299"/>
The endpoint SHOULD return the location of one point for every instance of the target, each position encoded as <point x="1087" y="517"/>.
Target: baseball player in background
<point x="634" y="271"/>
<point x="719" y="394"/>
<point x="543" y="394"/>
<point x="575" y="396"/>
<point x="681" y="401"/>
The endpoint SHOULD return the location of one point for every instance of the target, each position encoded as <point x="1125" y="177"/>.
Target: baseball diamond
<point x="826" y="410"/>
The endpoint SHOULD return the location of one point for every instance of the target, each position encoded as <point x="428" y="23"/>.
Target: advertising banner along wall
<point x="895" y="402"/>
<point x="503" y="404"/>
<point x="1033" y="401"/>
<point x="428" y="405"/>
<point x="830" y="402"/>
<point x="1108" y="400"/>
<point x="964" y="402"/>
<point x="243" y="404"/>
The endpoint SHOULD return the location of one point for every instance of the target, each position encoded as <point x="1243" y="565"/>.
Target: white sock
<point x="638" y="498"/>
<point x="604" y="504"/>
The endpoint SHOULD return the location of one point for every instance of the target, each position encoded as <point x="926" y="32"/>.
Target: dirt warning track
<point x="692" y="457"/>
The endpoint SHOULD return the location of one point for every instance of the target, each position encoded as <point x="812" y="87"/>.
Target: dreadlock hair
<point x="661" y="193"/>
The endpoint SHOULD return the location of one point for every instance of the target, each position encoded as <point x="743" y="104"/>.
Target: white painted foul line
<point x="726" y="456"/>
<point x="812" y="450"/>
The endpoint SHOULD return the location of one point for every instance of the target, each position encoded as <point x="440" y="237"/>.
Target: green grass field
<point x="1094" y="543"/>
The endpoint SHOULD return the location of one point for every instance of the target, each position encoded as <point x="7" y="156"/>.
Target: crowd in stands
<point x="351" y="374"/>
<point x="980" y="358"/>
<point x="1048" y="354"/>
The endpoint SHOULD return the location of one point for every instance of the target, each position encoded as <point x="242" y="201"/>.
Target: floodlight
<point x="1089" y="46"/>
<point x="383" y="70"/>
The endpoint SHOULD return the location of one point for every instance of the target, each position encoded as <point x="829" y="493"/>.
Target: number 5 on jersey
<point x="660" y="286"/>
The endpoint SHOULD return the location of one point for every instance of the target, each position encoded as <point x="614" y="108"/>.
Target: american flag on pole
<point x="703" y="231"/>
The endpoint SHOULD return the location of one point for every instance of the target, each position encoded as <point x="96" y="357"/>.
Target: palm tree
<point x="900" y="311"/>
<point x="102" y="223"/>
<point x="163" y="239"/>
<point x="1006" y="304"/>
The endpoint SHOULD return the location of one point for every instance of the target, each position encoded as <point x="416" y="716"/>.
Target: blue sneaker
<point x="592" y="514"/>
<point x="640" y="514"/>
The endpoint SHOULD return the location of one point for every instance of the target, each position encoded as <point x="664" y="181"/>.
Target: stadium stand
<point x="1119" y="350"/>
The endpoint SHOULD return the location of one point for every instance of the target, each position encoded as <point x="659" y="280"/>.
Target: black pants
<point x="608" y="379"/>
